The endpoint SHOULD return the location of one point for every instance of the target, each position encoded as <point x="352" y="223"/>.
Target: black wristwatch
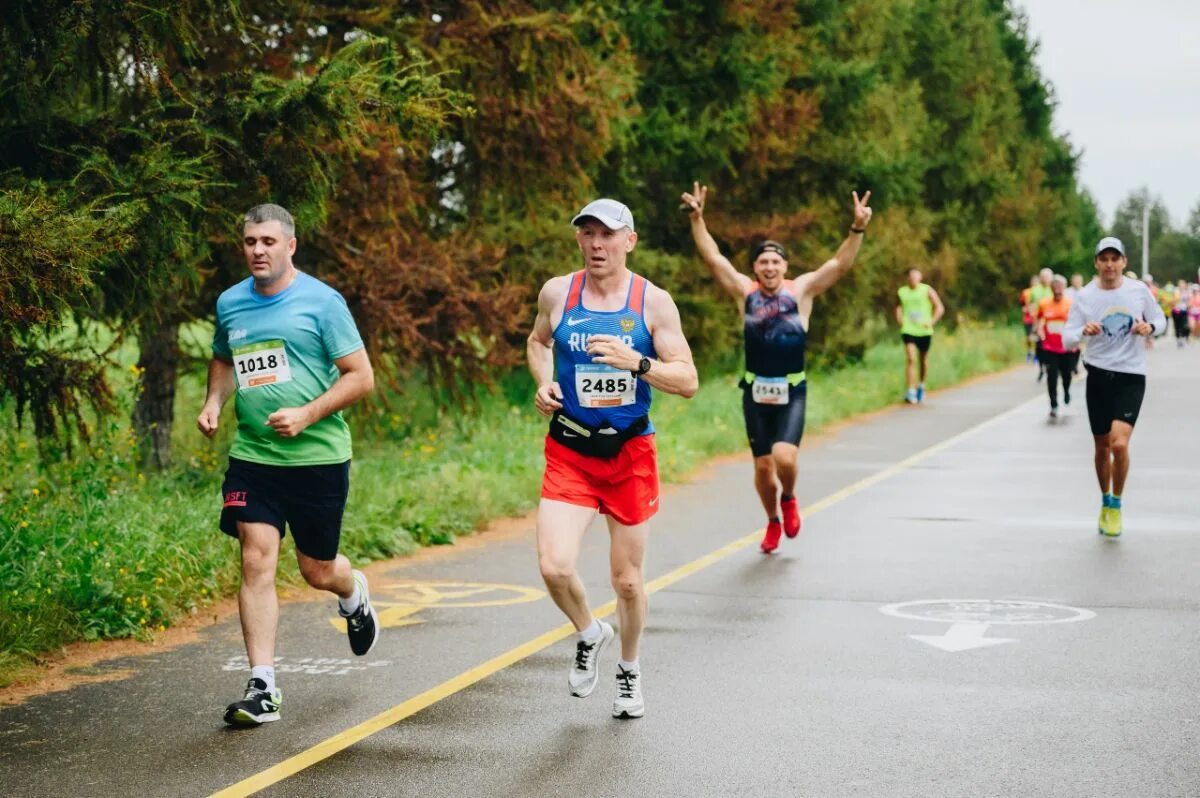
<point x="643" y="367"/>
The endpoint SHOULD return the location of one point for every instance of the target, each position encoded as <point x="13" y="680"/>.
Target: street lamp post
<point x="1145" y="240"/>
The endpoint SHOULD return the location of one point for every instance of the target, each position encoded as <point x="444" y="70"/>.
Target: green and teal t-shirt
<point x="916" y="310"/>
<point x="283" y="349"/>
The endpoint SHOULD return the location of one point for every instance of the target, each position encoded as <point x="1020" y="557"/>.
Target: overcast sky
<point x="1126" y="74"/>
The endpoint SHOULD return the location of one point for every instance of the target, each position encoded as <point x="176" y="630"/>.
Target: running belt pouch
<point x="603" y="442"/>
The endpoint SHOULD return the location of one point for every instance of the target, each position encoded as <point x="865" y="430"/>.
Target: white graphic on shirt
<point x="1117" y="322"/>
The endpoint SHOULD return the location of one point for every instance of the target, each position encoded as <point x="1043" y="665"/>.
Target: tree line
<point x="1174" y="250"/>
<point x="433" y="153"/>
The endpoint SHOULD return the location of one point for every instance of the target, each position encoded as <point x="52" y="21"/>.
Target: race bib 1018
<point x="263" y="363"/>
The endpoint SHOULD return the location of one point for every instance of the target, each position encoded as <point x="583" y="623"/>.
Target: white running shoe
<point x="584" y="671"/>
<point x="629" y="703"/>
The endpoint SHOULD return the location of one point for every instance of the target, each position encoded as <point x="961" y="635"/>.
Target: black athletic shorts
<point x="309" y="499"/>
<point x="921" y="342"/>
<point x="1113" y="396"/>
<point x="767" y="425"/>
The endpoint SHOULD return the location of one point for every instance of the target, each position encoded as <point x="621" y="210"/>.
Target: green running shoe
<point x="1110" y="522"/>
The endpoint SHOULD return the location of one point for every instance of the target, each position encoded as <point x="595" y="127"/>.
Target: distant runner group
<point x="286" y="348"/>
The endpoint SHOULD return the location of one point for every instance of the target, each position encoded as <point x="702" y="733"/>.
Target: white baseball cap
<point x="612" y="214"/>
<point x="1110" y="242"/>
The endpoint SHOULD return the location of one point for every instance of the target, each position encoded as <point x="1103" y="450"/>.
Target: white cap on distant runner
<point x="612" y="214"/>
<point x="1110" y="242"/>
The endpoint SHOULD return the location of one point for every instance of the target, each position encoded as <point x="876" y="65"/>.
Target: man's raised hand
<point x="693" y="203"/>
<point x="862" y="211"/>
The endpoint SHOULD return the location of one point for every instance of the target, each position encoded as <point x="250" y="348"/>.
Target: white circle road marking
<point x="1006" y="612"/>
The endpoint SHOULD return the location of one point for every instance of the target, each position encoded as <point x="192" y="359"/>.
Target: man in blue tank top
<point x="603" y="338"/>
<point x="776" y="312"/>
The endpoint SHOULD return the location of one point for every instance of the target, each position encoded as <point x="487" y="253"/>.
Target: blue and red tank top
<point x="594" y="393"/>
<point x="774" y="333"/>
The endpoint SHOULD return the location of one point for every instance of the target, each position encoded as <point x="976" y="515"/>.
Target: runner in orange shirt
<point x="1058" y="360"/>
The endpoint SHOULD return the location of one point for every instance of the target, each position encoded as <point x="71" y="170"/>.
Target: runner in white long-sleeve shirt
<point x="1110" y="312"/>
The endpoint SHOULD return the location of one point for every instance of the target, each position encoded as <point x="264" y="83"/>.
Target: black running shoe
<point x="362" y="625"/>
<point x="259" y="706"/>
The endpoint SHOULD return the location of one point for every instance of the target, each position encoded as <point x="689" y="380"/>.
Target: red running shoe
<point x="791" y="517"/>
<point x="770" y="541"/>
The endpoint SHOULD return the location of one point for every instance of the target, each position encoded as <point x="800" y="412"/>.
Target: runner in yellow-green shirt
<point x="1038" y="293"/>
<point x="918" y="310"/>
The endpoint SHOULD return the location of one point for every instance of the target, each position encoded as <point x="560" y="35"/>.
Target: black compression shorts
<point x="1113" y="396"/>
<point x="921" y="342"/>
<point x="308" y="499"/>
<point x="767" y="425"/>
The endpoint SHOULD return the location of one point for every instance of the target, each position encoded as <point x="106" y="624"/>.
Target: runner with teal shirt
<point x="287" y="347"/>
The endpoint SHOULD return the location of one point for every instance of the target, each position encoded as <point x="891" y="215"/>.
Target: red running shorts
<point x="625" y="487"/>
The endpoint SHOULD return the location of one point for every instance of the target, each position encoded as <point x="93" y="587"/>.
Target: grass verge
<point x="93" y="548"/>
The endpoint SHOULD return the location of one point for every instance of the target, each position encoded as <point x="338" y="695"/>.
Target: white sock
<point x="266" y="673"/>
<point x="630" y="666"/>
<point x="349" y="605"/>
<point x="592" y="633"/>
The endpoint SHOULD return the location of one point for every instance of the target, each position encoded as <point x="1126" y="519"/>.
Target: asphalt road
<point x="948" y="624"/>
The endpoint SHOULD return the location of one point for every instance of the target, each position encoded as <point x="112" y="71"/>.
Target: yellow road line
<point x="343" y="740"/>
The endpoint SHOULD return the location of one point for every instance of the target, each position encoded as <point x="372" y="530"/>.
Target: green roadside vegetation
<point x="93" y="548"/>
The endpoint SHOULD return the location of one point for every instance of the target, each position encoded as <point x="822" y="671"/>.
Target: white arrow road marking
<point x="963" y="637"/>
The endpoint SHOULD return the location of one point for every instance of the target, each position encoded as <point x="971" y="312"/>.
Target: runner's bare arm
<point x="539" y="349"/>
<point x="673" y="371"/>
<point x="734" y="282"/>
<point x="220" y="388"/>
<point x="356" y="380"/>
<point x="899" y="314"/>
<point x="821" y="280"/>
<point x="939" y="309"/>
